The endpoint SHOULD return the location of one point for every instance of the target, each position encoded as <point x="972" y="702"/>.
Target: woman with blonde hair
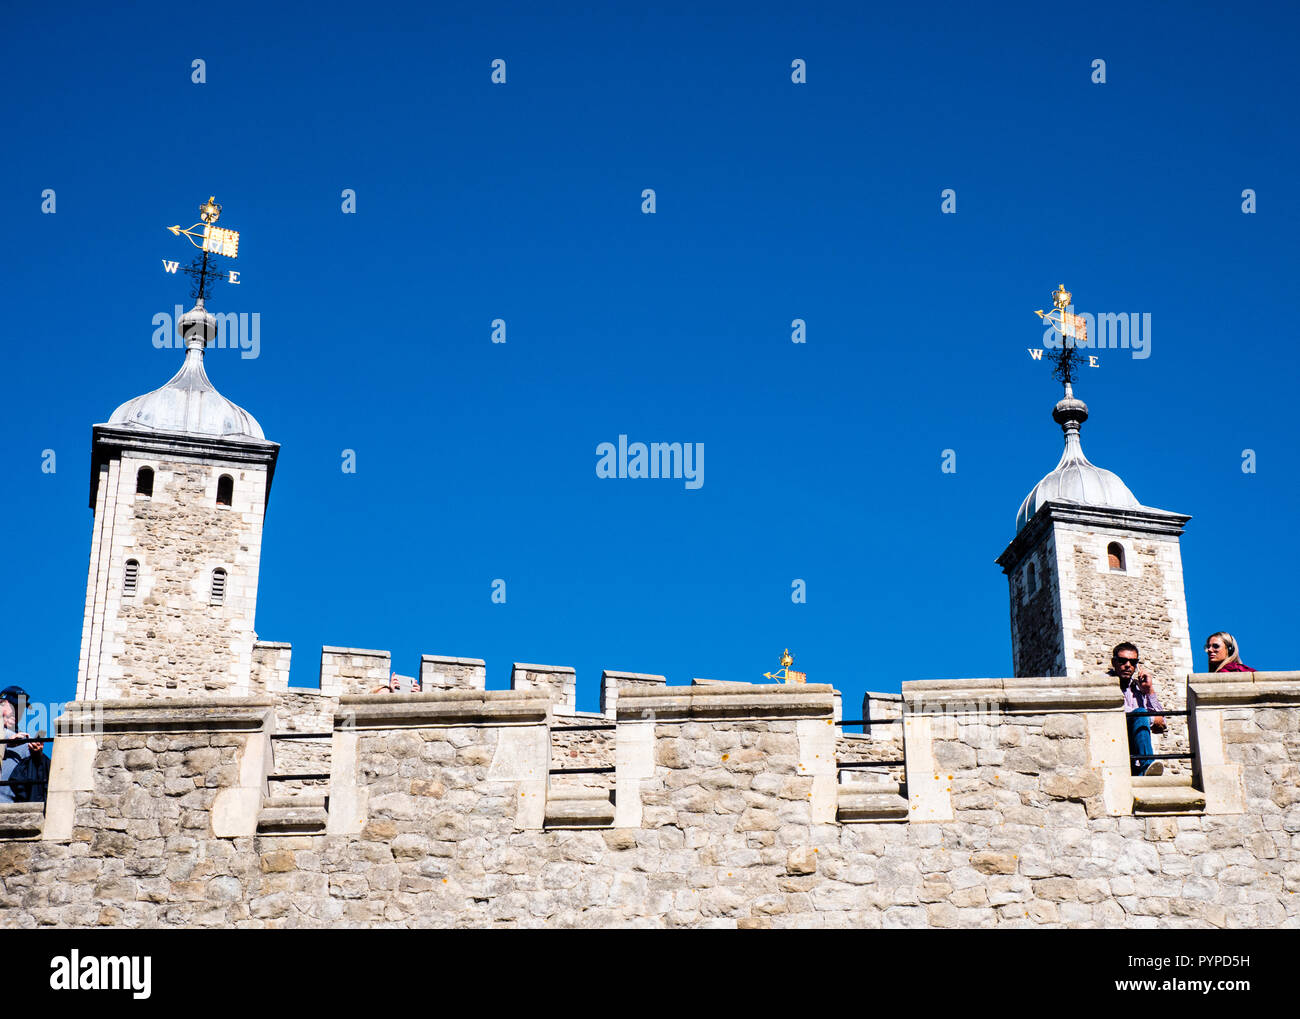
<point x="1221" y="649"/>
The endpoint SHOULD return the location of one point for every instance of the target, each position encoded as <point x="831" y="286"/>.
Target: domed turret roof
<point x="189" y="402"/>
<point x="1075" y="479"/>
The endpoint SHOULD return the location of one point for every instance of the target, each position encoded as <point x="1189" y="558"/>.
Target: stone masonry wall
<point x="435" y="820"/>
<point x="168" y="639"/>
<point x="350" y="670"/>
<point x="1036" y="647"/>
<point x="440" y="672"/>
<point x="141" y="850"/>
<point x="1132" y="606"/>
<point x="271" y="664"/>
<point x="301" y="711"/>
<point x="558" y="681"/>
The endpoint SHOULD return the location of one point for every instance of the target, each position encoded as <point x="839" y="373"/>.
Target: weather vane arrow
<point x="211" y="240"/>
<point x="1073" y="330"/>
<point x="786" y="674"/>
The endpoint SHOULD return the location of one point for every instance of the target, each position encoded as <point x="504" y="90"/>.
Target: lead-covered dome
<point x="189" y="402"/>
<point x="1075" y="479"/>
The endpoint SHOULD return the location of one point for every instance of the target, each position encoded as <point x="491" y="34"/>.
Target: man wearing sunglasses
<point x="1139" y="695"/>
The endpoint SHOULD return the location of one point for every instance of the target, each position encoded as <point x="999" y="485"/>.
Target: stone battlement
<point x="727" y="805"/>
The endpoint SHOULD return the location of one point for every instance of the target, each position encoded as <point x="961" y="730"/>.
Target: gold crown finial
<point x="210" y="211"/>
<point x="785" y="674"/>
<point x="1061" y="297"/>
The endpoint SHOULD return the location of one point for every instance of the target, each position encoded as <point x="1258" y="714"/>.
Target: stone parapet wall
<point x="143" y="818"/>
<point x="611" y="682"/>
<point x="1017" y="811"/>
<point x="350" y="670"/>
<point x="439" y="672"/>
<point x="271" y="662"/>
<point x="560" y="683"/>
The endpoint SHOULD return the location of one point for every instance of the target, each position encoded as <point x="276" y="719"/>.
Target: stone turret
<point x="1090" y="567"/>
<point x="180" y="479"/>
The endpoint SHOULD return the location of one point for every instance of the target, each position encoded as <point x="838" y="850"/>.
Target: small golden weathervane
<point x="211" y="240"/>
<point x="1073" y="332"/>
<point x="785" y="673"/>
<point x="1062" y="320"/>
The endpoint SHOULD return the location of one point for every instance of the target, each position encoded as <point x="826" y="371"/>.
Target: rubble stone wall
<point x="1018" y="814"/>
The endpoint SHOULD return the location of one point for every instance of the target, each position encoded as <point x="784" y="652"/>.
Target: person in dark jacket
<point x="24" y="766"/>
<point x="1221" y="650"/>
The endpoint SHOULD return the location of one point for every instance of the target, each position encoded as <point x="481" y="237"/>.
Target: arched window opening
<point x="1115" y="556"/>
<point x="1031" y="579"/>
<point x="129" y="578"/>
<point x="225" y="490"/>
<point x="218" y="586"/>
<point x="144" y="482"/>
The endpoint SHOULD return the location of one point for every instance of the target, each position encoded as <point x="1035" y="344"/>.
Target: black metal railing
<point x="27" y="783"/>
<point x="866" y="724"/>
<point x="1153" y="713"/>
<point x="14" y="741"/>
<point x="594" y="727"/>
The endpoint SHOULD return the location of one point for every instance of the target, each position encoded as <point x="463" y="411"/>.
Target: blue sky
<point x="774" y="201"/>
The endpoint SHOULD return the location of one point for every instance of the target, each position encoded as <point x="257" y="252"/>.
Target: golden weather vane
<point x="1073" y="331"/>
<point x="785" y="673"/>
<point x="211" y="240"/>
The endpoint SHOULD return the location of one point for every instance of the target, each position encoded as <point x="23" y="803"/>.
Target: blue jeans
<point x="1139" y="742"/>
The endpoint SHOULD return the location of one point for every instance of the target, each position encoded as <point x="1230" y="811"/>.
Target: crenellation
<point x="345" y="671"/>
<point x="611" y="682"/>
<point x="179" y="796"/>
<point x="439" y="672"/>
<point x="560" y="682"/>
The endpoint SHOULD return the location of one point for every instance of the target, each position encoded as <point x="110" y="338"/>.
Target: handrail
<point x="15" y="741"/>
<point x="594" y="727"/>
<point x="870" y="764"/>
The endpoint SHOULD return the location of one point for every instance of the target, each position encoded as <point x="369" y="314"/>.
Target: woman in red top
<point x="1221" y="649"/>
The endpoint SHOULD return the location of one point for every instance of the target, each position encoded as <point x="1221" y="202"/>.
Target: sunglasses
<point x="1127" y="661"/>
